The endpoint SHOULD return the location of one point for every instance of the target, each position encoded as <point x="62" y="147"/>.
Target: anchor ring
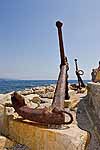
<point x="70" y="115"/>
<point x="81" y="72"/>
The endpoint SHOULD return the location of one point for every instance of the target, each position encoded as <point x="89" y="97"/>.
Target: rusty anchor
<point x="78" y="74"/>
<point x="56" y="114"/>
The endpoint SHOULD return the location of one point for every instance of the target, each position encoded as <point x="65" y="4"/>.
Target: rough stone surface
<point x="32" y="100"/>
<point x="33" y="97"/>
<point x="5" y="98"/>
<point x="86" y="122"/>
<point x="26" y="92"/>
<point x="67" y="103"/>
<point x="5" y="143"/>
<point x="73" y="101"/>
<point x="49" y="95"/>
<point x="45" y="91"/>
<point x="39" y="91"/>
<point x="94" y="97"/>
<point x="50" y="89"/>
<point x="1" y="109"/>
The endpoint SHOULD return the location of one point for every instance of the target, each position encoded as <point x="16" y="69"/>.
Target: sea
<point x="8" y="85"/>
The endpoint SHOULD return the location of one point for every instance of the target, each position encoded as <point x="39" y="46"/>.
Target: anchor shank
<point x="61" y="92"/>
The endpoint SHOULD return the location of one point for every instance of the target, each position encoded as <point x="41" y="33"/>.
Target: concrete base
<point x="39" y="138"/>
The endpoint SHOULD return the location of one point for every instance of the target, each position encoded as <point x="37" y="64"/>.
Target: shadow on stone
<point x="81" y="116"/>
<point x="82" y="119"/>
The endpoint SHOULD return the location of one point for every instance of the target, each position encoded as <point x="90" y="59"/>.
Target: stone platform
<point x="41" y="138"/>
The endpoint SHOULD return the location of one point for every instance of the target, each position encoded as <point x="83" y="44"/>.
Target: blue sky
<point x="29" y="43"/>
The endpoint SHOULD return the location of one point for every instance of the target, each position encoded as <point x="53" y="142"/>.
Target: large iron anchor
<point x="56" y="114"/>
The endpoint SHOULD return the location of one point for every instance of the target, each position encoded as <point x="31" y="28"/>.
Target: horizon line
<point x="35" y="79"/>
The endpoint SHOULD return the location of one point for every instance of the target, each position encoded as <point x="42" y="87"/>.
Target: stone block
<point x="42" y="138"/>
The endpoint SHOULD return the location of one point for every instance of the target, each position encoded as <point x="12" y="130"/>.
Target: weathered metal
<point x="43" y="116"/>
<point x="56" y="114"/>
<point x="78" y="74"/>
<point x="61" y="92"/>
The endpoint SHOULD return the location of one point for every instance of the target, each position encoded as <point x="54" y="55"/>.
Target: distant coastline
<point x="9" y="85"/>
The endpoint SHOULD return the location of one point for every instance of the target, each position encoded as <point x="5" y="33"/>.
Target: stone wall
<point x="94" y="97"/>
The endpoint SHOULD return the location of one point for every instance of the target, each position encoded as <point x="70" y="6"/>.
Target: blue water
<point x="15" y="85"/>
